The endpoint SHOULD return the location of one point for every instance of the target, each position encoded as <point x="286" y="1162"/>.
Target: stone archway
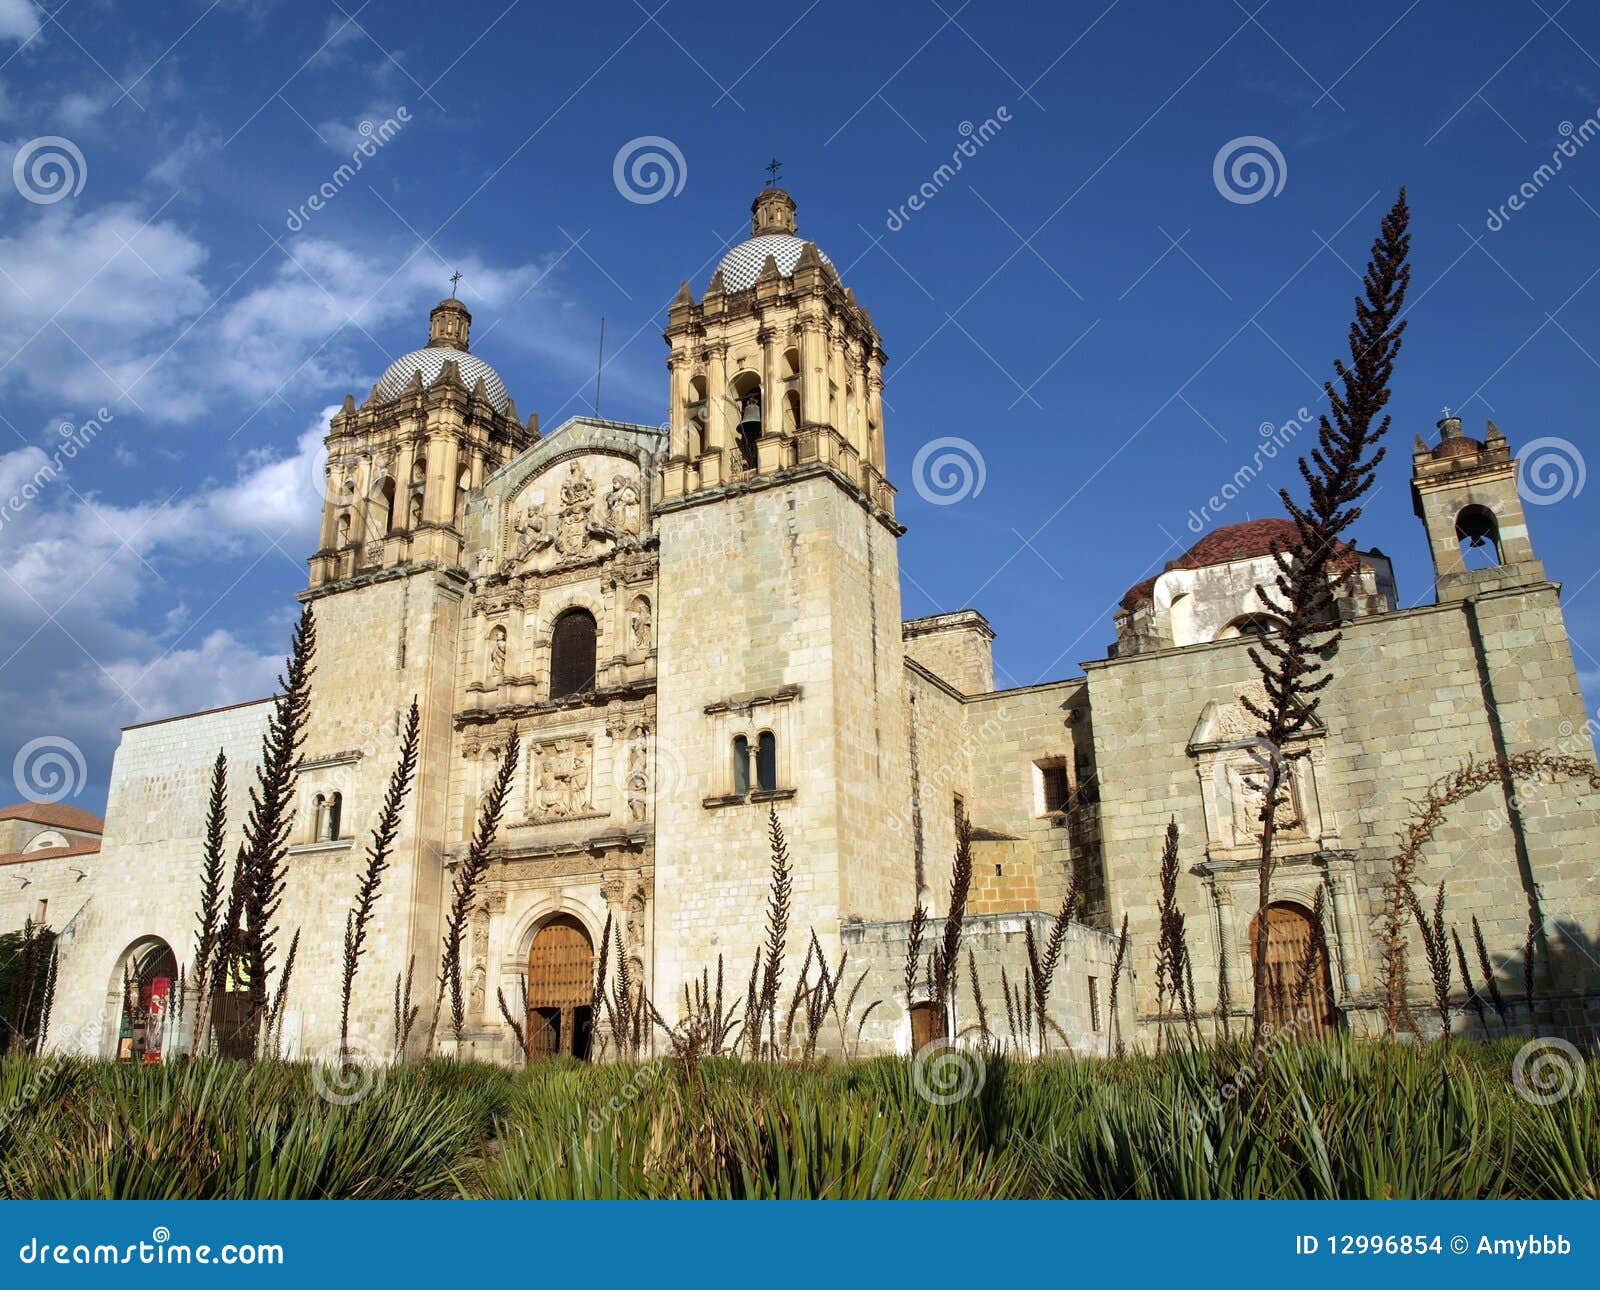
<point x="143" y="993"/>
<point x="561" y="990"/>
<point x="1299" y="991"/>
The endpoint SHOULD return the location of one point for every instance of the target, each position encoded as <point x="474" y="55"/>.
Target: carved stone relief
<point x="561" y="780"/>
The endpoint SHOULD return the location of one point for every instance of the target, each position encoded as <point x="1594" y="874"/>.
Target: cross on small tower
<point x="1446" y="411"/>
<point x="454" y="278"/>
<point x="774" y="168"/>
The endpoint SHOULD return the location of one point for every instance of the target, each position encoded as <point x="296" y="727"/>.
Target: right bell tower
<point x="780" y="659"/>
<point x="777" y="366"/>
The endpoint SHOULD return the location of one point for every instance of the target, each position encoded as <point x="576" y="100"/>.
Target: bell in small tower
<point x="750" y="414"/>
<point x="749" y="429"/>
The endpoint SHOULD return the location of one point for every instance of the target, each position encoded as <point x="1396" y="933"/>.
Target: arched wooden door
<point x="560" y="990"/>
<point x="1297" y="969"/>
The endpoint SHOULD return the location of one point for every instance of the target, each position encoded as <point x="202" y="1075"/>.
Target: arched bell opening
<point x="1478" y="533"/>
<point x="745" y="393"/>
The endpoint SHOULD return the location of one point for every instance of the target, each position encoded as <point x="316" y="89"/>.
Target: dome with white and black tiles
<point x="772" y="228"/>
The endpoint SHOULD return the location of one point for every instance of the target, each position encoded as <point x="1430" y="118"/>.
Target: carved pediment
<point x="1224" y="723"/>
<point x="580" y="509"/>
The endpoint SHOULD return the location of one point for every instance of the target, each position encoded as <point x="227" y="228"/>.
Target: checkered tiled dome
<point x="742" y="265"/>
<point x="430" y="362"/>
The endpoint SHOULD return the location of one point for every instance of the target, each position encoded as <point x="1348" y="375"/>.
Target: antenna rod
<point x="600" y="363"/>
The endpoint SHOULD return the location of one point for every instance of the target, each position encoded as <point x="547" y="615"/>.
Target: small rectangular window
<point x="1094" y="1004"/>
<point x="41" y="912"/>
<point x="1052" y="788"/>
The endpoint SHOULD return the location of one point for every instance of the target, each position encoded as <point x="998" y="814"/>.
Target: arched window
<point x="380" y="521"/>
<point x="572" y="654"/>
<point x="766" y="761"/>
<point x="791" y="412"/>
<point x="695" y="417"/>
<point x="1250" y="625"/>
<point x="1479" y="535"/>
<point x="463" y="482"/>
<point x="319" y="817"/>
<point x="741" y="765"/>
<point x="334" y="814"/>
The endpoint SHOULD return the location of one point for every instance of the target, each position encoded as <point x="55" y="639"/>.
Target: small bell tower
<point x="1464" y="490"/>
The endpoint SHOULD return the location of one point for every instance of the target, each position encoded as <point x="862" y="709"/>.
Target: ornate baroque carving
<point x="561" y="780"/>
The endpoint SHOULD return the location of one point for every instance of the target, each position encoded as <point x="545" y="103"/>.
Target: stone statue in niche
<point x="640" y="626"/>
<point x="497" y="653"/>
<point x="638" y="781"/>
<point x="476" y="999"/>
<point x="561" y="780"/>
<point x="415" y="518"/>
<point x="636" y="919"/>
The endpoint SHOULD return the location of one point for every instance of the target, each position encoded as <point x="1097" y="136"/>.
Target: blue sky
<point x="1082" y="302"/>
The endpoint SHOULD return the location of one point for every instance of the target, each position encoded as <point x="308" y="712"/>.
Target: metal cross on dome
<point x="774" y="168"/>
<point x="454" y="279"/>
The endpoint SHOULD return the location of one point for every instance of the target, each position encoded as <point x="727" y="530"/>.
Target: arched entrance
<point x="561" y="990"/>
<point x="144" y="986"/>
<point x="1297" y="969"/>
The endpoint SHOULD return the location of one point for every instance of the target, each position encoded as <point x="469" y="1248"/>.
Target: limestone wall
<point x="1408" y="704"/>
<point x="779" y="611"/>
<point x="146" y="881"/>
<point x="1080" y="996"/>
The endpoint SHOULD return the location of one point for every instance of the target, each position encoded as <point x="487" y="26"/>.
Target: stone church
<point x="687" y="626"/>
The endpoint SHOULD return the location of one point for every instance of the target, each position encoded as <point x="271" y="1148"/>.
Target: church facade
<point x="688" y="627"/>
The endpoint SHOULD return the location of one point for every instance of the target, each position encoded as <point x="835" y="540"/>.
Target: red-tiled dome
<point x="1247" y="540"/>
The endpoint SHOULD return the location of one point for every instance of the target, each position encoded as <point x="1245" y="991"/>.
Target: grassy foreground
<point x="1336" y="1119"/>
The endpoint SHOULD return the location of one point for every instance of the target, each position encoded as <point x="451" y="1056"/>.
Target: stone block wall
<point x="1413" y="697"/>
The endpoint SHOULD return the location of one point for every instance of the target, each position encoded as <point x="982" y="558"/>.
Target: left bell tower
<point x="400" y="466"/>
<point x="390" y="585"/>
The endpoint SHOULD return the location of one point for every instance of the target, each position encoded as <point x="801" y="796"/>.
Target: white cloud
<point x="89" y="301"/>
<point x="177" y="169"/>
<point x="220" y="670"/>
<point x="19" y="20"/>
<point x="107" y="308"/>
